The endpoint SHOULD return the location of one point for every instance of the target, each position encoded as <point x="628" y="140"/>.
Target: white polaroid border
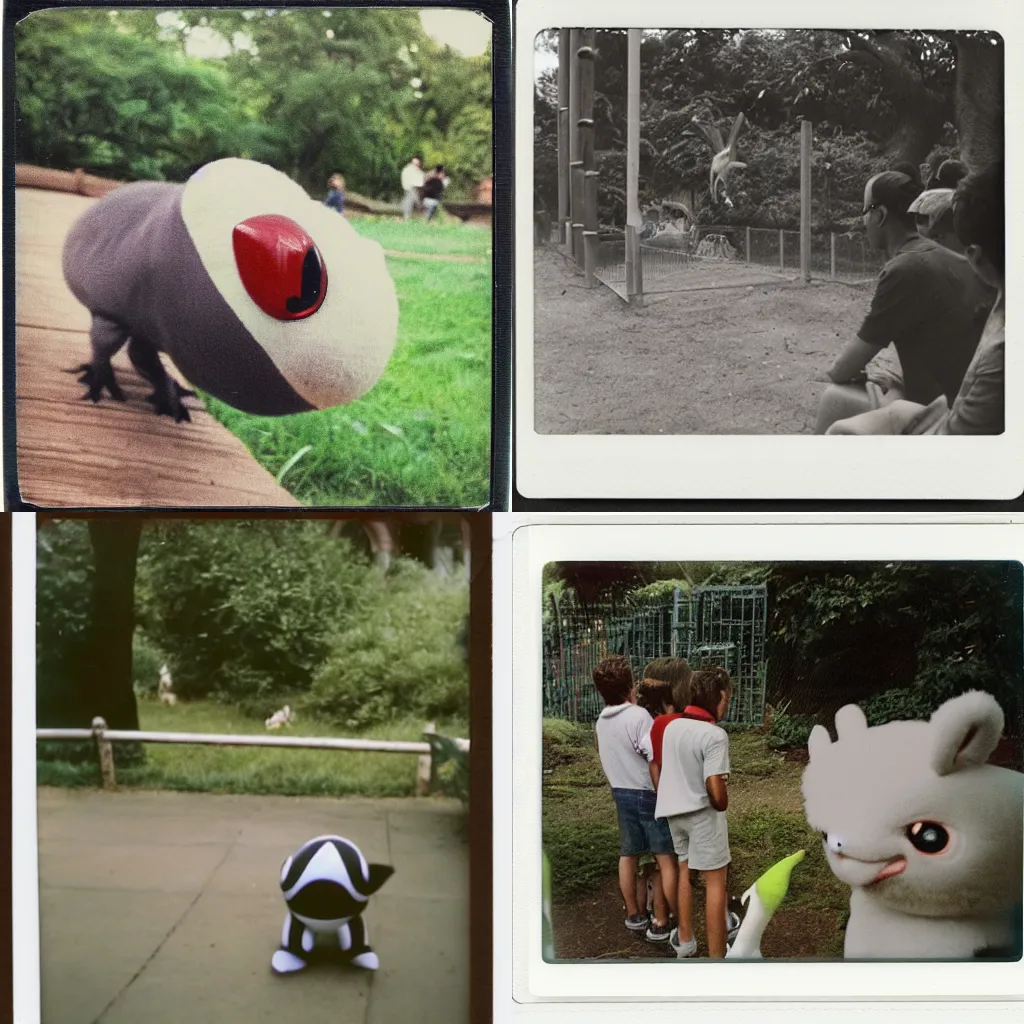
<point x="619" y="466"/>
<point x="24" y="836"/>
<point x="525" y="985"/>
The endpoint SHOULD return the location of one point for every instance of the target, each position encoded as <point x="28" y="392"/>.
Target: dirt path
<point x="745" y="360"/>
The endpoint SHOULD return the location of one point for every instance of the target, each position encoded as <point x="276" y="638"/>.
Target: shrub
<point x="147" y="661"/>
<point x="790" y="731"/>
<point x="400" y="656"/>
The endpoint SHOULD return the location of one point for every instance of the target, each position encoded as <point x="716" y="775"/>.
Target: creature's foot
<point x="368" y="960"/>
<point x="284" y="962"/>
<point x="166" y="400"/>
<point x="98" y="378"/>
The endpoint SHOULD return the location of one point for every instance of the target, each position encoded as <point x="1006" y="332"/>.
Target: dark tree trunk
<point x="979" y="100"/>
<point x="106" y="675"/>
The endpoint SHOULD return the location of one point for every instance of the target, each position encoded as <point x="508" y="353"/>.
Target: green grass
<point x="448" y="237"/>
<point x="289" y="772"/>
<point x="766" y="820"/>
<point x="422" y="435"/>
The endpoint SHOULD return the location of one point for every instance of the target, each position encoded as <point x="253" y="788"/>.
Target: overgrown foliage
<point x="873" y="97"/>
<point x="310" y="91"/>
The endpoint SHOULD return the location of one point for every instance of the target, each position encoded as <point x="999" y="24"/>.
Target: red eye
<point x="280" y="266"/>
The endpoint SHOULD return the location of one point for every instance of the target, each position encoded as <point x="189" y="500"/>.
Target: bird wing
<point x="734" y="133"/>
<point x="710" y="135"/>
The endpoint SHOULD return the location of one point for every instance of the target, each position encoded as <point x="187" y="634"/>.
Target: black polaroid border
<point x="519" y="503"/>
<point x="498" y="13"/>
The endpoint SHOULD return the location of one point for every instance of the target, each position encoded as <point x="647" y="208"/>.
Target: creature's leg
<point x="167" y="392"/>
<point x="365" y="957"/>
<point x="107" y="337"/>
<point x="296" y="938"/>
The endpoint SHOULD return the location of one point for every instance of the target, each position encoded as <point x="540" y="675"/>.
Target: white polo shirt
<point x="622" y="732"/>
<point x="692" y="751"/>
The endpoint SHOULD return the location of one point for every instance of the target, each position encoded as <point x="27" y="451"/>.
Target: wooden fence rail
<point x="105" y="738"/>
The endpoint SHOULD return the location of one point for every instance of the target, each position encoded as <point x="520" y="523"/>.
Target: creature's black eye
<point x="928" y="836"/>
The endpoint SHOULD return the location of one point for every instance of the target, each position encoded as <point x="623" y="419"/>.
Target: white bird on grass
<point x="762" y="899"/>
<point x="723" y="160"/>
<point x="279" y="718"/>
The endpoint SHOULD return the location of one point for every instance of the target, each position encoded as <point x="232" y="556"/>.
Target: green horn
<point x="773" y="885"/>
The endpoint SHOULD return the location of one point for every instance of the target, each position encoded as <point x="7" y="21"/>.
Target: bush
<point x="400" y="656"/>
<point x="791" y="731"/>
<point x="581" y="854"/>
<point x="246" y="608"/>
<point x="147" y="661"/>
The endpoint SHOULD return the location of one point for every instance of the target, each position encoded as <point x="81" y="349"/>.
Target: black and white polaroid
<point x="756" y="765"/>
<point x="738" y="243"/>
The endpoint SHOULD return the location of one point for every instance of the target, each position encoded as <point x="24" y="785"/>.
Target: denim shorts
<point x="639" y="831"/>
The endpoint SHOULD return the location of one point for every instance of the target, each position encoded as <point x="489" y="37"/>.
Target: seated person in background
<point x="336" y="193"/>
<point x="433" y="187"/>
<point x="912" y="171"/>
<point x="949" y="174"/>
<point x="979" y="407"/>
<point x="928" y="304"/>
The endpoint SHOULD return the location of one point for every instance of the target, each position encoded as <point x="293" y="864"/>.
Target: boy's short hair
<point x="896" y="191"/>
<point x="653" y="669"/>
<point x="979" y="213"/>
<point x="653" y="694"/>
<point x="707" y="686"/>
<point x="613" y="679"/>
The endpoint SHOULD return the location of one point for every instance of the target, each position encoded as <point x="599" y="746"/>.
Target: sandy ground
<point x="165" y="907"/>
<point x="738" y="360"/>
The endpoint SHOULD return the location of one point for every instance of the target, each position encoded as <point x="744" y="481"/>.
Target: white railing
<point x="104" y="737"/>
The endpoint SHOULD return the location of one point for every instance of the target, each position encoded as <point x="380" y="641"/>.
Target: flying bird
<point x="724" y="155"/>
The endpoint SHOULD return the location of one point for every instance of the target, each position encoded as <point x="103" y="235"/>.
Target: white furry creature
<point x="926" y="834"/>
<point x="163" y="688"/>
<point x="279" y="718"/>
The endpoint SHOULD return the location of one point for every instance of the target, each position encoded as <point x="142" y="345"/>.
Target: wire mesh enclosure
<point x="722" y="626"/>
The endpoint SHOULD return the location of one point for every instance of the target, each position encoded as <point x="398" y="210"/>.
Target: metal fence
<point x="672" y="262"/>
<point x="722" y="626"/>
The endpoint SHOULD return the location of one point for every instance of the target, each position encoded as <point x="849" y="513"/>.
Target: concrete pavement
<point x="165" y="907"/>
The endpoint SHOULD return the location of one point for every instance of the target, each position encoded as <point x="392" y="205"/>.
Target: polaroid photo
<point x="242" y="767"/>
<point x="670" y="692"/>
<point x="735" y="242"/>
<point x="253" y="256"/>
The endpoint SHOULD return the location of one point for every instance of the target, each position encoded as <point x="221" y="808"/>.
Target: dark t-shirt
<point x="931" y="305"/>
<point x="432" y="188"/>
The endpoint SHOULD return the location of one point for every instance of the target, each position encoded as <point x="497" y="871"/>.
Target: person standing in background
<point x="336" y="193"/>
<point x="412" y="182"/>
<point x="433" y="188"/>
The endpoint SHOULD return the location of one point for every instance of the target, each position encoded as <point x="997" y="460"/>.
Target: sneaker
<point x="732" y="926"/>
<point x="683" y="950"/>
<point x="637" y="922"/>
<point x="658" y="932"/>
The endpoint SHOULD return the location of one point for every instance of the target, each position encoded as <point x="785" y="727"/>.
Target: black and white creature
<point x="723" y="160"/>
<point x="327" y="884"/>
<point x="261" y="296"/>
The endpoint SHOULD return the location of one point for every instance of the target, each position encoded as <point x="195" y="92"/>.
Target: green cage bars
<point x="708" y="625"/>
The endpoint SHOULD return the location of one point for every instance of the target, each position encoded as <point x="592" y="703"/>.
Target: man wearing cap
<point x="928" y="304"/>
<point x="933" y="210"/>
<point x="979" y="217"/>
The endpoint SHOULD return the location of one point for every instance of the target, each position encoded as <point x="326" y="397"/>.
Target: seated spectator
<point x="928" y="304"/>
<point x="933" y="210"/>
<point x="911" y="170"/>
<point x="949" y="174"/>
<point x="979" y="407"/>
<point x="433" y="187"/>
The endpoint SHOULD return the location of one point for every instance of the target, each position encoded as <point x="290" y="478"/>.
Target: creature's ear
<point x="818" y="741"/>
<point x="965" y="730"/>
<point x="850" y="720"/>
<point x="379" y="874"/>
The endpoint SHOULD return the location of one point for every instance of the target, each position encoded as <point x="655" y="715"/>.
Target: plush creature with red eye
<point x="926" y="834"/>
<point x="261" y="296"/>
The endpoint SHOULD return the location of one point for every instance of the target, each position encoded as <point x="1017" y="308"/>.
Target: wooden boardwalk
<point x="73" y="454"/>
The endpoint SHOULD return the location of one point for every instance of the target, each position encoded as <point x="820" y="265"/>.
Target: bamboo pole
<point x="563" y="136"/>
<point x="832" y="255"/>
<point x="575" y="165"/>
<point x="586" y="125"/>
<point x="805" y="200"/>
<point x="634" y="282"/>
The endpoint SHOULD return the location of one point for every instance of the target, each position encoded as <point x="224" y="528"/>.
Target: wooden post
<point x="106" y="753"/>
<point x="575" y="239"/>
<point x="805" y="200"/>
<point x="748" y="246"/>
<point x="563" y="136"/>
<point x="590" y="241"/>
<point x="634" y="221"/>
<point x="832" y="255"/>
<point x="425" y="770"/>
<point x="782" y="247"/>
